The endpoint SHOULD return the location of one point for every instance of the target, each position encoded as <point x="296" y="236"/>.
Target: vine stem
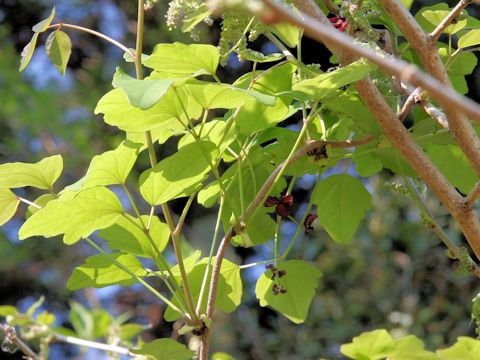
<point x="212" y="294"/>
<point x="153" y="161"/>
<point x="96" y="33"/>
<point x="92" y="344"/>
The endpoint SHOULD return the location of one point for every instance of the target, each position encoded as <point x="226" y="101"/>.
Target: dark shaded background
<point x="393" y="275"/>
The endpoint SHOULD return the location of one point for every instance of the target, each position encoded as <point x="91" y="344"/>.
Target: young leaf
<point x="410" y="348"/>
<point x="43" y="25"/>
<point x="299" y="281"/>
<point x="288" y="33"/>
<point x="252" y="55"/>
<point x="184" y="59"/>
<point x="255" y="116"/>
<point x="178" y="175"/>
<point x="119" y="112"/>
<point x="223" y="96"/>
<point x="453" y="163"/>
<point x="92" y="209"/>
<point x="41" y="175"/>
<point x="141" y="93"/>
<point x="27" y="52"/>
<point x="373" y="345"/>
<point x="469" y="39"/>
<point x="59" y="49"/>
<point x="194" y="18"/>
<point x="41" y="201"/>
<point x="229" y="292"/>
<point x="8" y="205"/>
<point x="98" y="271"/>
<point x="435" y="17"/>
<point x="465" y="348"/>
<point x="326" y="84"/>
<point x="341" y="203"/>
<point x="165" y="349"/>
<point x="112" y="167"/>
<point x="127" y="235"/>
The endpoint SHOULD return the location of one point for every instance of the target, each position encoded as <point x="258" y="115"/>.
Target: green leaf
<point x="8" y="205"/>
<point x="258" y="230"/>
<point x="469" y="39"/>
<point x="119" y="112"/>
<point x="141" y="93"/>
<point x="43" y="25"/>
<point x="213" y="131"/>
<point x="224" y="96"/>
<point x="326" y="84"/>
<point x="465" y="348"/>
<point x="300" y="282"/>
<point x="464" y="64"/>
<point x="59" y="49"/>
<point x="92" y="209"/>
<point x="255" y="116"/>
<point x="41" y="201"/>
<point x="41" y="175"/>
<point x="229" y="292"/>
<point x="127" y="235"/>
<point x="222" y="356"/>
<point x="27" y="52"/>
<point x="453" y="163"/>
<point x="257" y="56"/>
<point x="82" y="320"/>
<point x="98" y="271"/>
<point x="164" y="349"/>
<point x="6" y="310"/>
<point x="129" y="331"/>
<point x="184" y="59"/>
<point x="373" y="345"/>
<point x="367" y="164"/>
<point x="427" y="25"/>
<point x="435" y="17"/>
<point x="341" y="204"/>
<point x="194" y="18"/>
<point x="410" y="348"/>
<point x="289" y="34"/>
<point x="177" y="175"/>
<point x="112" y="167"/>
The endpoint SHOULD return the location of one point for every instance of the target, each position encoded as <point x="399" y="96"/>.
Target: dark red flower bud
<point x="309" y="222"/>
<point x="282" y="210"/>
<point x="338" y="22"/>
<point x="287" y="200"/>
<point x="271" y="201"/>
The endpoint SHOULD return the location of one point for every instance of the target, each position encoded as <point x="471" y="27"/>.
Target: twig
<point x="435" y="34"/>
<point x="341" y="43"/>
<point x="212" y="294"/>
<point x="470" y="199"/>
<point x="92" y="344"/>
<point x="461" y="129"/>
<point x="11" y="337"/>
<point x="416" y="97"/>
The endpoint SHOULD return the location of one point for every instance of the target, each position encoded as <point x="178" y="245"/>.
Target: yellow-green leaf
<point x="43" y="25"/>
<point x="165" y="349"/>
<point x="59" y="49"/>
<point x="8" y="205"/>
<point x="41" y="175"/>
<point x="27" y="52"/>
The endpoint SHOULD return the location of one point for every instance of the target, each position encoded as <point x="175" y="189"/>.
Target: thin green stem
<point x="96" y="33"/>
<point x="302" y="221"/>
<point x="210" y="255"/>
<point x="276" y="240"/>
<point x="130" y="199"/>
<point x="183" y="215"/>
<point x="246" y="266"/>
<point x="139" y="42"/>
<point x="138" y="278"/>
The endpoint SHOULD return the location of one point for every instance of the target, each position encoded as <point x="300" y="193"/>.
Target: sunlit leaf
<point x="326" y="84"/>
<point x="99" y="271"/>
<point x="229" y="292"/>
<point x="184" y="59"/>
<point x="342" y="201"/>
<point x="8" y="205"/>
<point x="141" y="93"/>
<point x="112" y="167"/>
<point x="373" y="345"/>
<point x="165" y="349"/>
<point x="92" y="209"/>
<point x="257" y="56"/>
<point x="300" y="282"/>
<point x="196" y="17"/>
<point x="41" y="175"/>
<point x="177" y="175"/>
<point x="43" y="25"/>
<point x="59" y="49"/>
<point x="27" y="52"/>
<point x="435" y="17"/>
<point x="127" y="235"/>
<point x="465" y="348"/>
<point x="469" y="39"/>
<point x="410" y="348"/>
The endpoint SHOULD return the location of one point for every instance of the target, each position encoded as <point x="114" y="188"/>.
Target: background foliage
<point x="395" y="274"/>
